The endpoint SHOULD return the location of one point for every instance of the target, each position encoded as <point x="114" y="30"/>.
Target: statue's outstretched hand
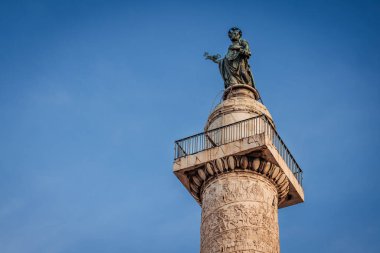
<point x="215" y="58"/>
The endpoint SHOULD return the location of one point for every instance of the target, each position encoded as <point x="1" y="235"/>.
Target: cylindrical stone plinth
<point x="239" y="214"/>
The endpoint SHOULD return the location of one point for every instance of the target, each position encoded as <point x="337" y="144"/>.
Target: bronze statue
<point x="234" y="67"/>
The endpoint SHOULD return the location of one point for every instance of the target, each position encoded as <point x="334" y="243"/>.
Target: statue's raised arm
<point x="234" y="67"/>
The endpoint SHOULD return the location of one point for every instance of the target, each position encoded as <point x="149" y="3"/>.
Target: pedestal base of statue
<point x="241" y="90"/>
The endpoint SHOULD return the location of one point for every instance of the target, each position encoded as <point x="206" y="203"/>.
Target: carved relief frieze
<point x="239" y="214"/>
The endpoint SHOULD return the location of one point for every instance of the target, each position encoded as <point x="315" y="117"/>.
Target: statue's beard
<point x="234" y="39"/>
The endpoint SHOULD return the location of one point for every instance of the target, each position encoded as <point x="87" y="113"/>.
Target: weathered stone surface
<point x="238" y="105"/>
<point x="239" y="214"/>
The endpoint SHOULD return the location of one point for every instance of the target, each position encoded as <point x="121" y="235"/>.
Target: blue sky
<point x="94" y="93"/>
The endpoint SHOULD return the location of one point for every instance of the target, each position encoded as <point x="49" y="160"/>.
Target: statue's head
<point x="234" y="33"/>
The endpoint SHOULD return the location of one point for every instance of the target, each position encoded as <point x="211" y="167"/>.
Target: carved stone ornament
<point x="202" y="176"/>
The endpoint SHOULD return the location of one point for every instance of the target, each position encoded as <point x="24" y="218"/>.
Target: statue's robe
<point x="234" y="67"/>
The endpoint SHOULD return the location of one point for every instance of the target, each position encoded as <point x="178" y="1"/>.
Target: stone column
<point x="240" y="172"/>
<point x="239" y="214"/>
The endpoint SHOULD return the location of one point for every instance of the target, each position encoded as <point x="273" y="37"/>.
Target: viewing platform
<point x="245" y="141"/>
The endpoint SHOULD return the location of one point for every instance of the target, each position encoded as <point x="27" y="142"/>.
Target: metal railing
<point x="233" y="132"/>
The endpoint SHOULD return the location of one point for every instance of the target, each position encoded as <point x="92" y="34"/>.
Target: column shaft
<point x="239" y="214"/>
